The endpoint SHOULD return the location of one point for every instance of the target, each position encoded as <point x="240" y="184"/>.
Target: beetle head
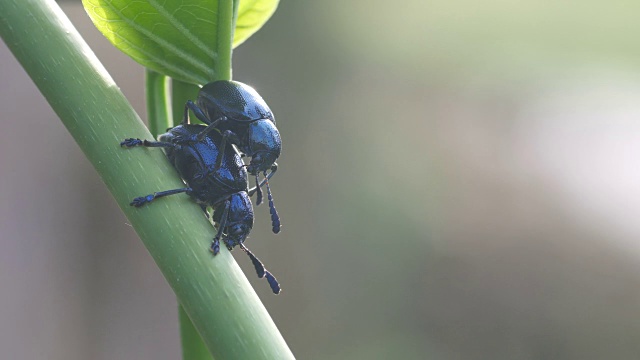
<point x="264" y="145"/>
<point x="239" y="221"/>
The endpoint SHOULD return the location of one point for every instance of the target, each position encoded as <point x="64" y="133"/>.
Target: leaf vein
<point x="182" y="28"/>
<point x="163" y="43"/>
<point x="152" y="59"/>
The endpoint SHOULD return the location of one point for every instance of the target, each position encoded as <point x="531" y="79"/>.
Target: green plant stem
<point x="213" y="291"/>
<point x="236" y="5"/>
<point x="193" y="347"/>
<point x="158" y="94"/>
<point x="226" y="21"/>
<point x="158" y="99"/>
<point x="180" y="93"/>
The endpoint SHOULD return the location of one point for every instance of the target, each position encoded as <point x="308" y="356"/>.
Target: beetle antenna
<point x="258" y="191"/>
<point x="275" y="219"/>
<point x="262" y="272"/>
<point x="273" y="283"/>
<point x="215" y="245"/>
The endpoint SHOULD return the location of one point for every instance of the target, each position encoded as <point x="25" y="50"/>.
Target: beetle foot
<point x="141" y="200"/>
<point x="215" y="246"/>
<point x="131" y="142"/>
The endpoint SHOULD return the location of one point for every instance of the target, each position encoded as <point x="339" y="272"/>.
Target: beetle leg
<point x="196" y="111"/>
<point x="131" y="142"/>
<point x="258" y="190"/>
<point x="215" y="245"/>
<point x="141" y="200"/>
<point x="223" y="145"/>
<point x="200" y="136"/>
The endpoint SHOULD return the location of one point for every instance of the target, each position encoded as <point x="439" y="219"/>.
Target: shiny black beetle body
<point x="240" y="114"/>
<point x="223" y="187"/>
<point x="196" y="164"/>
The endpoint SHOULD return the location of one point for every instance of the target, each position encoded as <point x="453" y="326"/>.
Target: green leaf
<point x="176" y="38"/>
<point x="188" y="40"/>
<point x="252" y="14"/>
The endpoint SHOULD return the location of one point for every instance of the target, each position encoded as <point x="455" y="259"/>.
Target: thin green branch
<point x="158" y="98"/>
<point x="181" y="92"/>
<point x="158" y="95"/>
<point x="226" y="22"/>
<point x="213" y="291"/>
<point x="193" y="348"/>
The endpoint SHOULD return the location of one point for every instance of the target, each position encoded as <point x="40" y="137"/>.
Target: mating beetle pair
<point x="212" y="168"/>
<point x="244" y="119"/>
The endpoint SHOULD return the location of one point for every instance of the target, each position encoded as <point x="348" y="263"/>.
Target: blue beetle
<point x="223" y="187"/>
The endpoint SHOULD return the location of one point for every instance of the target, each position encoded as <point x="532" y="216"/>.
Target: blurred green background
<point x="459" y="180"/>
